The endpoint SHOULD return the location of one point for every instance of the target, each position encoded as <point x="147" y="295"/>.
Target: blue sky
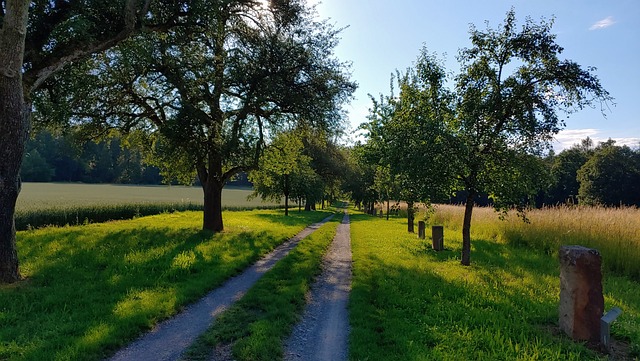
<point x="385" y="35"/>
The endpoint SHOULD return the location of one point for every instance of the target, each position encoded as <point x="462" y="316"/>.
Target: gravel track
<point x="169" y="339"/>
<point x="323" y="332"/>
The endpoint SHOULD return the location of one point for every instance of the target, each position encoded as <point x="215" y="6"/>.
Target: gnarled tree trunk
<point x="14" y="128"/>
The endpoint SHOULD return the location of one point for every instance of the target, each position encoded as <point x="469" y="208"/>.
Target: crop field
<point x="57" y="195"/>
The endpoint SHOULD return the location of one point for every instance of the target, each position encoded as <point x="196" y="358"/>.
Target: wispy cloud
<point x="602" y="24"/>
<point x="569" y="137"/>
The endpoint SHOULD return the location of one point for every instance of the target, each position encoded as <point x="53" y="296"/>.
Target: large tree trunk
<point x="466" y="229"/>
<point x="14" y="128"/>
<point x="212" y="206"/>
<point x="410" y="217"/>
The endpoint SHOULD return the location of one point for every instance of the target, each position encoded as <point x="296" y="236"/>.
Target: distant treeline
<point x="51" y="157"/>
<point x="606" y="174"/>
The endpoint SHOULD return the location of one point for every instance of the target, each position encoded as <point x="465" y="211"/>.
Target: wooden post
<point x="581" y="300"/>
<point x="421" y="232"/>
<point x="437" y="237"/>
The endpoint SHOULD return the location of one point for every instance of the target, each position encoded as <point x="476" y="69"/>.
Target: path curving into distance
<point x="323" y="332"/>
<point x="169" y="339"/>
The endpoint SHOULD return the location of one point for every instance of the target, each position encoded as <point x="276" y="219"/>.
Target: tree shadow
<point x="90" y="292"/>
<point x="425" y="305"/>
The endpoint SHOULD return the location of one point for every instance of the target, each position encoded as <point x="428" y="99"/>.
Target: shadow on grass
<point x="90" y="291"/>
<point x="410" y="302"/>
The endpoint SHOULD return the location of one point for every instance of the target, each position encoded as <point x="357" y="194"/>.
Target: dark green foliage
<point x="611" y="176"/>
<point x="35" y="168"/>
<point x="564" y="171"/>
<point x="60" y="158"/>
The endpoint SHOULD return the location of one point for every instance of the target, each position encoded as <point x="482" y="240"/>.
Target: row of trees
<point x="484" y="135"/>
<point x="202" y="86"/>
<point x="302" y="164"/>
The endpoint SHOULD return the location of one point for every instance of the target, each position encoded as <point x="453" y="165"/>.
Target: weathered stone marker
<point x="581" y="300"/>
<point x="421" y="230"/>
<point x="437" y="237"/>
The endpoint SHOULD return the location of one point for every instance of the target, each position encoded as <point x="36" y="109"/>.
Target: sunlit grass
<point x="409" y="302"/>
<point x="89" y="290"/>
<point x="615" y="232"/>
<point x="257" y="325"/>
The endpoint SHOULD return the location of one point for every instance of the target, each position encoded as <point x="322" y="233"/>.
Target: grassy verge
<point x="91" y="289"/>
<point x="257" y="325"/>
<point x="615" y="232"/>
<point x="411" y="303"/>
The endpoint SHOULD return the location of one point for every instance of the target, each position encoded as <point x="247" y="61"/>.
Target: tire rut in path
<point x="169" y="339"/>
<point x="322" y="334"/>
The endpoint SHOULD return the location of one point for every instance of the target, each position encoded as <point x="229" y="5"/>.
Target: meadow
<point x="615" y="232"/>
<point x="89" y="290"/>
<point x="409" y="302"/>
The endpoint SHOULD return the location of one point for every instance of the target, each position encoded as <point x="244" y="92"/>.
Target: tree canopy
<point x="205" y="99"/>
<point x="487" y="134"/>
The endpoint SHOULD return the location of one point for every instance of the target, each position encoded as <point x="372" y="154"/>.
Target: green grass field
<point x="409" y="302"/>
<point x="88" y="290"/>
<point x="56" y="195"/>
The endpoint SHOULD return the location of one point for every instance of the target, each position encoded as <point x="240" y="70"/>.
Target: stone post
<point x="421" y="230"/>
<point x="581" y="300"/>
<point x="437" y="237"/>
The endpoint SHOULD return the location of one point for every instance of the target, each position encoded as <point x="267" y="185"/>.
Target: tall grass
<point x="409" y="302"/>
<point x="615" y="232"/>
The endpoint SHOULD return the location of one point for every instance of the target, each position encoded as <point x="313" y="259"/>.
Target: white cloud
<point x="604" y="23"/>
<point x="567" y="138"/>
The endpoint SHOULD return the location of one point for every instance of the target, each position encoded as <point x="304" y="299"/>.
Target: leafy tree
<point x="359" y="177"/>
<point x="403" y="133"/>
<point x="327" y="162"/>
<point x="564" y="172"/>
<point x="611" y="176"/>
<point x="208" y="96"/>
<point x="282" y="167"/>
<point x="37" y="40"/>
<point x="506" y="100"/>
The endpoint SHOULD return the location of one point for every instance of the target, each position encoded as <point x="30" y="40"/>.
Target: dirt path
<point x="323" y="333"/>
<point x="169" y="339"/>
